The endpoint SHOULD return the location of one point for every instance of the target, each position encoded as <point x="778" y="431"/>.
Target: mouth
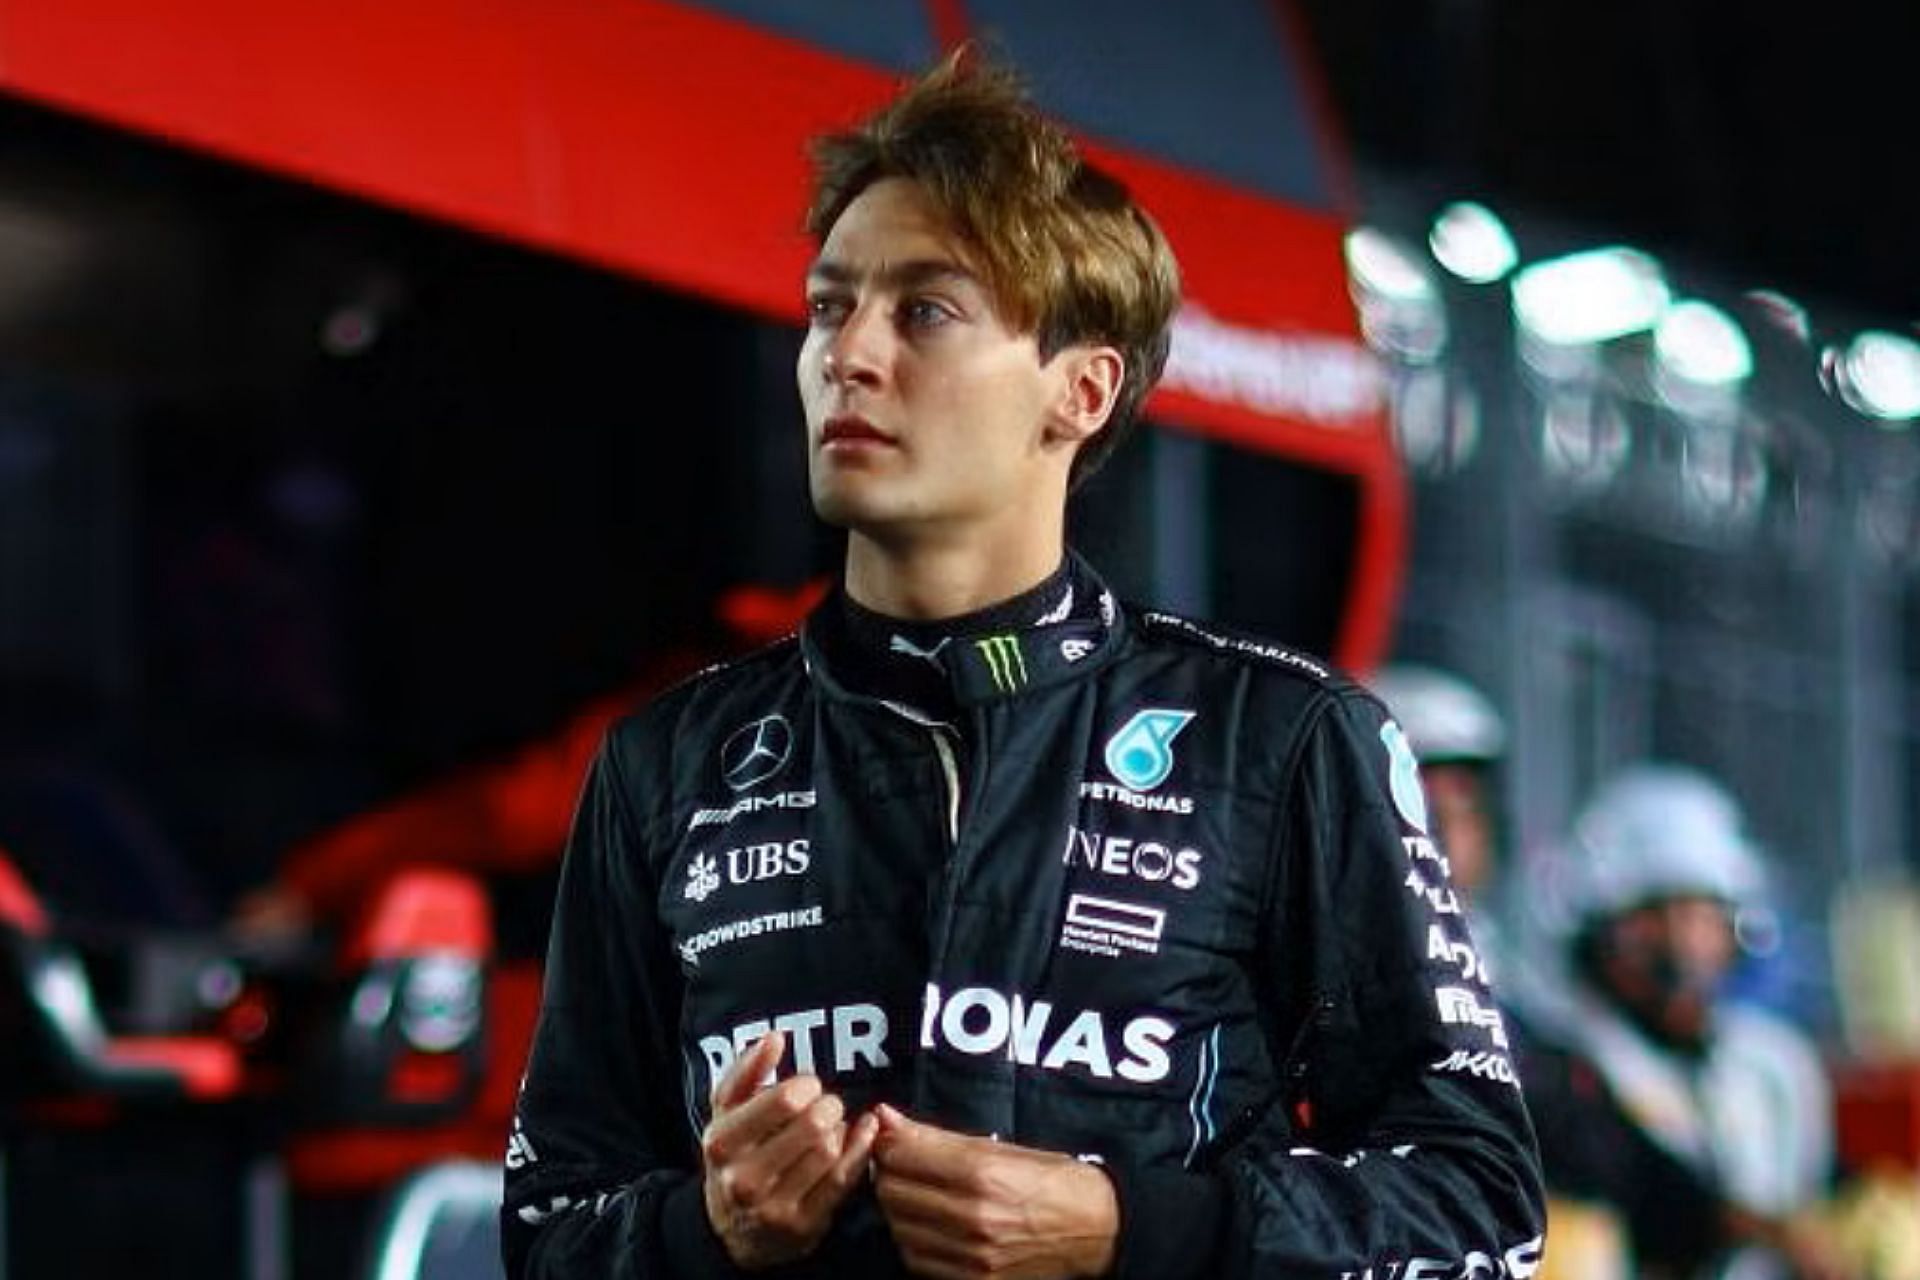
<point x="852" y="431"/>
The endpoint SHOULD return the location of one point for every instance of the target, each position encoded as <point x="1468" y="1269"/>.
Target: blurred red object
<point x="1878" y="1121"/>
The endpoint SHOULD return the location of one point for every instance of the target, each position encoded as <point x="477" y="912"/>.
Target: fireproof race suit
<point x="1155" y="896"/>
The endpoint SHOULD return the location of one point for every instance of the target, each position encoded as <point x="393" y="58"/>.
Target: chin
<point x="845" y="507"/>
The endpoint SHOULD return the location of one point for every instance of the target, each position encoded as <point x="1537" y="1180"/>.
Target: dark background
<point x="1772" y="144"/>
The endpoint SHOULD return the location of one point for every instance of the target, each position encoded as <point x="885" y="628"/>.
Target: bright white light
<point x="1880" y="376"/>
<point x="1470" y="241"/>
<point x="1590" y="297"/>
<point x="1384" y="266"/>
<point x="1701" y="343"/>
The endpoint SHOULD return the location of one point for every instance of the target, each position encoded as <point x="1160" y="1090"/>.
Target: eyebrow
<point x="900" y="276"/>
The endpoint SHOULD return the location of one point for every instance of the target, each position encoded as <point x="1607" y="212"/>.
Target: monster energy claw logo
<point x="1140" y="756"/>
<point x="1005" y="663"/>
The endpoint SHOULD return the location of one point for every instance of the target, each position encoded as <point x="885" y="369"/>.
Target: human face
<point x="927" y="413"/>
<point x="1666" y="961"/>
<point x="1462" y="809"/>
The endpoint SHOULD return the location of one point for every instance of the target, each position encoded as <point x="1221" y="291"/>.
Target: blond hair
<point x="1065" y="251"/>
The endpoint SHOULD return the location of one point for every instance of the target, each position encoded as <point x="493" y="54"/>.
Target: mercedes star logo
<point x="755" y="751"/>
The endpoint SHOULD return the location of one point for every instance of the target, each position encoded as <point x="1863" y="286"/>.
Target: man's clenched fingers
<point x="760" y="1117"/>
<point x="847" y="1170"/>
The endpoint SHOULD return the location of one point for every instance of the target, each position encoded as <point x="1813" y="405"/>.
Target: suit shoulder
<point x="1175" y="631"/>
<point x="667" y="711"/>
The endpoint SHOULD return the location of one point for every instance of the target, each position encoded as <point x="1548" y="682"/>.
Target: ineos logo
<point x="755" y="751"/>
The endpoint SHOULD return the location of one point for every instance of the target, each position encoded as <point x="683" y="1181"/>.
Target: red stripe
<point x="421" y="910"/>
<point x="19" y="906"/>
<point x="1328" y="134"/>
<point x="951" y="25"/>
<point x="652" y="138"/>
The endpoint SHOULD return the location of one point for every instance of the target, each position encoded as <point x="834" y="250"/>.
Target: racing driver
<point x="988" y="926"/>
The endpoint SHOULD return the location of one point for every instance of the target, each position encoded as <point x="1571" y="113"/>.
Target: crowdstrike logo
<point x="1074" y="650"/>
<point x="1005" y="662"/>
<point x="755" y="751"/>
<point x="752" y="927"/>
<point x="1140" y="755"/>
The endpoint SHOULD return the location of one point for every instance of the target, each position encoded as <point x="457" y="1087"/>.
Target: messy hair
<point x="1062" y="247"/>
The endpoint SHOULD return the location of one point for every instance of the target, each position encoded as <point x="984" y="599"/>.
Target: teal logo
<point x="1408" y="797"/>
<point x="1140" y="756"/>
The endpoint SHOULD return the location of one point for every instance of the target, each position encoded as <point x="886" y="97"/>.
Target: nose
<point x="857" y="351"/>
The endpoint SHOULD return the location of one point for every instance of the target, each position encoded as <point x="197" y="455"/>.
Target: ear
<point x="1090" y="378"/>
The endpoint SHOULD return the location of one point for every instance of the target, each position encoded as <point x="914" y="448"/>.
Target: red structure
<point x="667" y="141"/>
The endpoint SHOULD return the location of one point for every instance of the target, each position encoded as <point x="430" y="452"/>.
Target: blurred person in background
<point x="1706" y="1122"/>
<point x="1460" y="740"/>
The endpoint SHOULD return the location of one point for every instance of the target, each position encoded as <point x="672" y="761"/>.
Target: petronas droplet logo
<point x="1404" y="777"/>
<point x="1140" y="756"/>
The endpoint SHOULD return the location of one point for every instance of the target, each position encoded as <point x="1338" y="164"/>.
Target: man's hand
<point x="779" y="1160"/>
<point x="967" y="1207"/>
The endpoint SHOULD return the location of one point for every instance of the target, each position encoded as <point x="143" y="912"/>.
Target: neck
<point x="926" y="580"/>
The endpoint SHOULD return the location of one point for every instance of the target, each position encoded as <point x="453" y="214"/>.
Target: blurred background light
<point x="1470" y="241"/>
<point x="1584" y="440"/>
<point x="1701" y="343"/>
<point x="1782" y="312"/>
<point x="1401" y="315"/>
<point x="1723" y="475"/>
<point x="1436" y="420"/>
<point x="1384" y="266"/>
<point x="1879" y="375"/>
<point x="1590" y="297"/>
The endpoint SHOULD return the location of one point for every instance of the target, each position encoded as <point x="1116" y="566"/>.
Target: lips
<point x="850" y="429"/>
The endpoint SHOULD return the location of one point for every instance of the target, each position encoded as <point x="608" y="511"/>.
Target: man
<point x="1707" y="1123"/>
<point x="989" y="928"/>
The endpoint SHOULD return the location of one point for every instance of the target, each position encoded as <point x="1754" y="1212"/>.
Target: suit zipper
<point x="950" y="771"/>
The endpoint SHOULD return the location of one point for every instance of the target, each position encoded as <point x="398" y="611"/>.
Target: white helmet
<point x="1657" y="831"/>
<point x="1446" y="718"/>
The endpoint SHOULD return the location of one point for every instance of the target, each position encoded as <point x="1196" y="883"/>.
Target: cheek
<point x="806" y="369"/>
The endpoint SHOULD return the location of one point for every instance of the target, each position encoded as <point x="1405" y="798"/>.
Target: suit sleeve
<point x="600" y="1169"/>
<point x="1396" y="1143"/>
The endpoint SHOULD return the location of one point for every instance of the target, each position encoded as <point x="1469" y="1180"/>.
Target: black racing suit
<point x="1135" y="891"/>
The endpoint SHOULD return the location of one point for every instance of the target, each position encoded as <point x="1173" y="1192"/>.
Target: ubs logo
<point x="755" y="751"/>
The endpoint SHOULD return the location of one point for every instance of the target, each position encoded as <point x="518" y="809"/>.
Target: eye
<point x="825" y="310"/>
<point x="925" y="313"/>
